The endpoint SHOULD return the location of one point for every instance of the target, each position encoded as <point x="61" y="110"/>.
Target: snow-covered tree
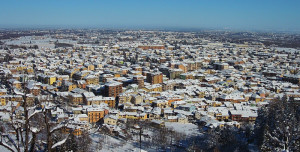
<point x="278" y="127"/>
<point x="29" y="131"/>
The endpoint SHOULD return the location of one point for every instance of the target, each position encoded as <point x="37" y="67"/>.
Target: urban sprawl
<point x="122" y="87"/>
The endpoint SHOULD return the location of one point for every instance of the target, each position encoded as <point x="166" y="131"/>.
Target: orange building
<point x="113" y="89"/>
<point x="95" y="114"/>
<point x="170" y="100"/>
<point x="183" y="67"/>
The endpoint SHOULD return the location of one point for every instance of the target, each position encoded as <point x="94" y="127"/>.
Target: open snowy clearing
<point x="188" y="128"/>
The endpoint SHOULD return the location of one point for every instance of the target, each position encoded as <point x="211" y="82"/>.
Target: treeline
<point x="57" y="45"/>
<point x="278" y="127"/>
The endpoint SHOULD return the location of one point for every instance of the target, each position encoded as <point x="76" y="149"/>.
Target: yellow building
<point x="20" y="68"/>
<point x="219" y="116"/>
<point x="216" y="104"/>
<point x="2" y="100"/>
<point x="133" y="115"/>
<point x="29" y="70"/>
<point x="154" y="87"/>
<point x="91" y="79"/>
<point x="75" y="130"/>
<point x="117" y="75"/>
<point x="252" y="118"/>
<point x="51" y="80"/>
<point x="3" y="92"/>
<point x="91" y="67"/>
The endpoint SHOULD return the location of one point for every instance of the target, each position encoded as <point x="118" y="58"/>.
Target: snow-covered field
<point x="112" y="144"/>
<point x="287" y="49"/>
<point x="188" y="128"/>
<point x="43" y="42"/>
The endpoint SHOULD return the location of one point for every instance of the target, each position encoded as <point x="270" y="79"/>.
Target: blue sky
<point x="220" y="14"/>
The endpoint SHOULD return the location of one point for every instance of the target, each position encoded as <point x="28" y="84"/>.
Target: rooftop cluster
<point x="89" y="79"/>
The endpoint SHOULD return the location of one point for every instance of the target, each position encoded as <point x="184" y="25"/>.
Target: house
<point x="257" y="98"/>
<point x="77" y="110"/>
<point x="68" y="86"/>
<point x="124" y="98"/>
<point x="153" y="88"/>
<point x="136" y="99"/>
<point x="155" y="113"/>
<point x="81" y="84"/>
<point x="34" y="90"/>
<point x="75" y="98"/>
<point x="187" y="107"/>
<point x="57" y="111"/>
<point x="74" y="129"/>
<point x="91" y="79"/>
<point x="15" y="83"/>
<point x="243" y="115"/>
<point x="87" y="95"/>
<point x="173" y="99"/>
<point x="172" y="119"/>
<point x="167" y="112"/>
<point x="82" y="117"/>
<point x="110" y="119"/>
<point x="97" y="100"/>
<point x="3" y="92"/>
<point x="182" y="118"/>
<point x="175" y="104"/>
<point x="133" y="115"/>
<point x="160" y="103"/>
<point x="158" y="123"/>
<point x="30" y="100"/>
<point x="236" y="115"/>
<point x="51" y="79"/>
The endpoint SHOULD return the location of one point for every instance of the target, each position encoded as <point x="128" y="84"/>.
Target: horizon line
<point x="141" y="27"/>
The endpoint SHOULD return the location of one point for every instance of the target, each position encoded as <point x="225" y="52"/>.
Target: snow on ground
<point x="42" y="42"/>
<point x="3" y="149"/>
<point x="187" y="128"/>
<point x="111" y="144"/>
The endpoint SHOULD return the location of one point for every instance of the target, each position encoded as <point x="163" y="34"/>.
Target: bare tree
<point x="99" y="144"/>
<point x="84" y="142"/>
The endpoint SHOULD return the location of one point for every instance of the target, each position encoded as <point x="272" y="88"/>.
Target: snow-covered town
<point x="133" y="90"/>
